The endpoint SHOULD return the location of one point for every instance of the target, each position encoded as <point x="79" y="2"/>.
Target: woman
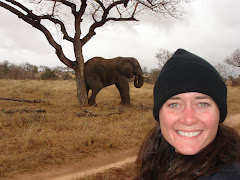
<point x="189" y="141"/>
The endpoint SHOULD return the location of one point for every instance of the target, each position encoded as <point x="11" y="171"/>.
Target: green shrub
<point x="48" y="74"/>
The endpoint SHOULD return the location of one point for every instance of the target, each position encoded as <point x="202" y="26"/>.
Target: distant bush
<point x="234" y="81"/>
<point x="153" y="75"/>
<point x="48" y="74"/>
<point x="28" y="71"/>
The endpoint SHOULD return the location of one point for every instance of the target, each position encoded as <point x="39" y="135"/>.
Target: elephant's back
<point x="101" y="60"/>
<point x="102" y="69"/>
<point x="98" y="63"/>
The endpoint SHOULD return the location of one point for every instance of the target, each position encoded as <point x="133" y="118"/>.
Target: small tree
<point x="48" y="74"/>
<point x="145" y="71"/>
<point x="31" y="70"/>
<point x="4" y="69"/>
<point x="224" y="71"/>
<point x="162" y="56"/>
<point x="153" y="75"/>
<point x="234" y="81"/>
<point x="15" y="71"/>
<point x="234" y="59"/>
<point x="41" y="13"/>
<point x="34" y="71"/>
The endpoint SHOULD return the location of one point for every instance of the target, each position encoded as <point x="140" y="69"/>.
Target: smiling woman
<point x="189" y="141"/>
<point x="189" y="122"/>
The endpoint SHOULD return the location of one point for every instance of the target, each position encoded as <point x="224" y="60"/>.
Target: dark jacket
<point x="231" y="172"/>
<point x="227" y="172"/>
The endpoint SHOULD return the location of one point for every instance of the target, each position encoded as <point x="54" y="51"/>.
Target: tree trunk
<point x="81" y="88"/>
<point x="79" y="74"/>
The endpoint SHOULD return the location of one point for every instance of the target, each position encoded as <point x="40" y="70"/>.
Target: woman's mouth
<point x="189" y="134"/>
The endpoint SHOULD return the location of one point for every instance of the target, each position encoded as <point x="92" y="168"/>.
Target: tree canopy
<point x="234" y="59"/>
<point x="163" y="55"/>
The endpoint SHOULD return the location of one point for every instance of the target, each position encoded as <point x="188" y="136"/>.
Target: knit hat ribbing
<point x="186" y="72"/>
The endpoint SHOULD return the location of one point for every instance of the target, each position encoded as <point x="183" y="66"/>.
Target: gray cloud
<point x="209" y="29"/>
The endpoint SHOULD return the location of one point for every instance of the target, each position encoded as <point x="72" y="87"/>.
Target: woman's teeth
<point x="189" y="134"/>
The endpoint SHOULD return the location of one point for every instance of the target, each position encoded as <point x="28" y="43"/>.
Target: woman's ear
<point x="125" y="68"/>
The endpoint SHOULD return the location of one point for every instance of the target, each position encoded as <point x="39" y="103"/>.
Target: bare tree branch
<point x="23" y="100"/>
<point x="135" y="9"/>
<point x="90" y="113"/>
<point x="234" y="59"/>
<point x="101" y="5"/>
<point x="23" y="110"/>
<point x="35" y="20"/>
<point x="54" y="5"/>
<point x="56" y="21"/>
<point x="67" y="3"/>
<point x="105" y="19"/>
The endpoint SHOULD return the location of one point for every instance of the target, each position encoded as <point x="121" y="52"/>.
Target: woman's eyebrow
<point x="174" y="97"/>
<point x="197" y="97"/>
<point x="203" y="97"/>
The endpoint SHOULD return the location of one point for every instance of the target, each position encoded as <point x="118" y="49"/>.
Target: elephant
<point x="100" y="73"/>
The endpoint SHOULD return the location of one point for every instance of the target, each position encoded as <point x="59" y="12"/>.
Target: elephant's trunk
<point x="138" y="81"/>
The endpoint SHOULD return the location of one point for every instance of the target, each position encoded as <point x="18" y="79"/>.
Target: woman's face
<point x="189" y="121"/>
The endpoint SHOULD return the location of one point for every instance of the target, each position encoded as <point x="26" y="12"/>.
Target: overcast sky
<point x="210" y="29"/>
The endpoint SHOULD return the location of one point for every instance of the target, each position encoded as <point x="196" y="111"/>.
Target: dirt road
<point x="91" y="165"/>
<point x="98" y="163"/>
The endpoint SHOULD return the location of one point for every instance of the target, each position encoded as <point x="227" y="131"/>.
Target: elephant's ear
<point x="125" y="68"/>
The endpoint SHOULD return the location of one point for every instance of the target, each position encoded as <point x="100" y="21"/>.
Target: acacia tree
<point x="234" y="59"/>
<point x="42" y="13"/>
<point x="162" y="57"/>
<point x="224" y="70"/>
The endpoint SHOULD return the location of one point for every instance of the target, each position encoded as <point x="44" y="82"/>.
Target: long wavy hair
<point x="157" y="159"/>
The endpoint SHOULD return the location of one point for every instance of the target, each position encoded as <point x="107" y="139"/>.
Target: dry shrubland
<point x="35" y="140"/>
<point x="32" y="139"/>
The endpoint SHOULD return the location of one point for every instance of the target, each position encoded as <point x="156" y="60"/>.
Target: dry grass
<point x="233" y="100"/>
<point x="34" y="141"/>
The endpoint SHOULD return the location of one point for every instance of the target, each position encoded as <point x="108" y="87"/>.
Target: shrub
<point x="48" y="74"/>
<point x="235" y="81"/>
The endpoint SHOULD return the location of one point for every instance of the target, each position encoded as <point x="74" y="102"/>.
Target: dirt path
<point x="91" y="165"/>
<point x="98" y="163"/>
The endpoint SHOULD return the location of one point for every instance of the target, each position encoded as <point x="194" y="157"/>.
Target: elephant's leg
<point x="96" y="87"/>
<point x="87" y="89"/>
<point x="123" y="88"/>
<point x="92" y="99"/>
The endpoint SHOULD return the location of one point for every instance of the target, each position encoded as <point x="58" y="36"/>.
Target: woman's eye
<point x="203" y="104"/>
<point x="173" y="105"/>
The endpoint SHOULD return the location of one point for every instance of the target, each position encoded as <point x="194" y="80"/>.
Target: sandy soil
<point x="91" y="165"/>
<point x="97" y="163"/>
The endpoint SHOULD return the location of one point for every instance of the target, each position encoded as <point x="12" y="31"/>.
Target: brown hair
<point x="158" y="160"/>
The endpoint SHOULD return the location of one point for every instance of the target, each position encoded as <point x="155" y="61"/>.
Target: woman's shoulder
<point x="229" y="172"/>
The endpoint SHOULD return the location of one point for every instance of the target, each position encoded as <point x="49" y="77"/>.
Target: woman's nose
<point x="189" y="116"/>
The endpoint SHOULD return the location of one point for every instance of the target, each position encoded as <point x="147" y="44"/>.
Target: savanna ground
<point x="38" y="136"/>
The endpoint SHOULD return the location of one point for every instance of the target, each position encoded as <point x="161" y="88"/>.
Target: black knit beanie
<point x="186" y="72"/>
